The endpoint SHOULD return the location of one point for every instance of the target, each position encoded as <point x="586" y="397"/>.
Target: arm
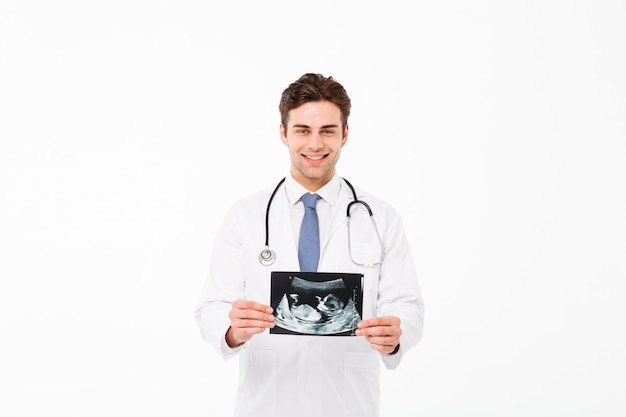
<point x="399" y="324"/>
<point x="224" y="286"/>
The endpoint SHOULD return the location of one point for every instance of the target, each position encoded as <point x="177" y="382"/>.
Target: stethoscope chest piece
<point x="267" y="257"/>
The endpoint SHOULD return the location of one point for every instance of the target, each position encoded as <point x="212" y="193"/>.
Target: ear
<point x="283" y="135"/>
<point x="345" y="136"/>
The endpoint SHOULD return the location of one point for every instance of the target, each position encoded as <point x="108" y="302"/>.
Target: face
<point x="314" y="137"/>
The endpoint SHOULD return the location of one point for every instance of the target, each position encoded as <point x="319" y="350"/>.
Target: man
<point x="311" y="375"/>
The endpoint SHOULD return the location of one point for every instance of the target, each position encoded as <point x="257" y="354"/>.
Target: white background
<point x="497" y="129"/>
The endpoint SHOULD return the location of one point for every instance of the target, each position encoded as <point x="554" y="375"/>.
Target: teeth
<point x="315" y="158"/>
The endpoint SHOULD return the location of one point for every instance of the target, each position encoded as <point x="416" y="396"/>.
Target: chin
<point x="314" y="176"/>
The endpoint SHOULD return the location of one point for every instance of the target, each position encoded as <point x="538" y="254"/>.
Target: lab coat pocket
<point x="365" y="253"/>
<point x="361" y="382"/>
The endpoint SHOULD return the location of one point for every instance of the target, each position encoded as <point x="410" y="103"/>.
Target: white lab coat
<point x="284" y="375"/>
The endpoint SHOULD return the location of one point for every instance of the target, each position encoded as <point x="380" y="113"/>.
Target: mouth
<point x="314" y="158"/>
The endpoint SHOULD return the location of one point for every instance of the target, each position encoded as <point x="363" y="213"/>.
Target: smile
<point x="314" y="157"/>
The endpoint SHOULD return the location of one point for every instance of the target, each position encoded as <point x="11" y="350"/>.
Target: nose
<point x="315" y="142"/>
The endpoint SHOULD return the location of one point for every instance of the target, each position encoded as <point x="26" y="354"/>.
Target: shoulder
<point x="370" y="199"/>
<point x="384" y="214"/>
<point x="247" y="212"/>
<point x="254" y="200"/>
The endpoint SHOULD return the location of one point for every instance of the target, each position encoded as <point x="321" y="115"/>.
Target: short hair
<point x="314" y="87"/>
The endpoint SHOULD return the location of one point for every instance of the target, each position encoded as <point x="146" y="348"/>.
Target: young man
<point x="309" y="374"/>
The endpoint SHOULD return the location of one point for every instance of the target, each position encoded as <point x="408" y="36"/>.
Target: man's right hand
<point x="247" y="318"/>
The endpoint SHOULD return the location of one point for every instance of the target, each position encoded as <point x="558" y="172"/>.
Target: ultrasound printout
<point x="316" y="303"/>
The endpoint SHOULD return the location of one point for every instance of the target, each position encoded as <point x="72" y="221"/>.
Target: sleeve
<point x="398" y="293"/>
<point x="223" y="285"/>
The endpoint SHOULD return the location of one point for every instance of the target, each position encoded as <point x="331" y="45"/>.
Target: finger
<point x="239" y="314"/>
<point x="247" y="324"/>
<point x="245" y="309"/>
<point x="380" y="331"/>
<point x="251" y="305"/>
<point x="389" y="341"/>
<point x="247" y="332"/>
<point x="383" y="348"/>
<point x="379" y="348"/>
<point x="379" y="321"/>
<point x="383" y="344"/>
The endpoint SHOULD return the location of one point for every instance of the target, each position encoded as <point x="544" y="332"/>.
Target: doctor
<point x="302" y="375"/>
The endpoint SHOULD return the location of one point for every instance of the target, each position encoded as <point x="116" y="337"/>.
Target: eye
<point x="328" y="132"/>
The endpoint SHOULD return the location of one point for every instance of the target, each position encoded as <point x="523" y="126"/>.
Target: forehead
<point x="315" y="113"/>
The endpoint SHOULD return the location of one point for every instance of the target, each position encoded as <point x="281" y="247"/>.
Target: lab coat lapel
<point x="338" y="215"/>
<point x="282" y="234"/>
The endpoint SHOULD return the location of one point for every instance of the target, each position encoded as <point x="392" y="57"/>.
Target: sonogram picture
<point x="310" y="303"/>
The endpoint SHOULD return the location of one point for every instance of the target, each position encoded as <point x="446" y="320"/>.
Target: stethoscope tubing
<point x="267" y="213"/>
<point x="268" y="256"/>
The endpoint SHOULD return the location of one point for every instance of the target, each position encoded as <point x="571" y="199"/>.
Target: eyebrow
<point x="322" y="127"/>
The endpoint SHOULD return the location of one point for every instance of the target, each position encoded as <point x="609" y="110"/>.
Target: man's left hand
<point x="383" y="333"/>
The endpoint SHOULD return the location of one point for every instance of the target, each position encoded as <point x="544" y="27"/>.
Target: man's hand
<point x="383" y="333"/>
<point x="247" y="318"/>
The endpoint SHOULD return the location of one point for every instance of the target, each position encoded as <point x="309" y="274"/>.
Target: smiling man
<point x="314" y="133"/>
<point x="304" y="219"/>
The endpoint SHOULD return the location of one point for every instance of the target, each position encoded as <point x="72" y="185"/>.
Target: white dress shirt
<point x="329" y="194"/>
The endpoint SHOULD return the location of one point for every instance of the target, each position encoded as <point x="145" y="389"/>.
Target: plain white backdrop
<point x="497" y="129"/>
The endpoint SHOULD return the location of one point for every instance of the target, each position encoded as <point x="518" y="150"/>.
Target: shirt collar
<point x="329" y="192"/>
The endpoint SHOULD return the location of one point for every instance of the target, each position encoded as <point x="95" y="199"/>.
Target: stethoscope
<point x="268" y="257"/>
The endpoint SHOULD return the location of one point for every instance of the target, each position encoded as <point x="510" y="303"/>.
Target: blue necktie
<point x="309" y="244"/>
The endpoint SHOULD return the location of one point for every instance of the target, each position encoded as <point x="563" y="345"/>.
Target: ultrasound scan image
<point x="320" y="304"/>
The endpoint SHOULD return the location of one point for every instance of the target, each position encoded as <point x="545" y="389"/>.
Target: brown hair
<point x="314" y="87"/>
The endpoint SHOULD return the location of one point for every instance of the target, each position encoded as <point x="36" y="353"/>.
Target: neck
<point x="311" y="184"/>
